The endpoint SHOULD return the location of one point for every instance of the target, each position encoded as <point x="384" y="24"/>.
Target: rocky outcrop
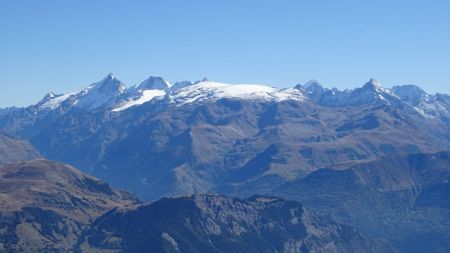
<point x="207" y="223"/>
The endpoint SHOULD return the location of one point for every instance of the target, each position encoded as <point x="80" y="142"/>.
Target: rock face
<point x="14" y="150"/>
<point x="44" y="206"/>
<point x="205" y="223"/>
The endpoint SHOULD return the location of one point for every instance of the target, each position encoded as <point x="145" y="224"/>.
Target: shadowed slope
<point x="15" y="150"/>
<point x="206" y="223"/>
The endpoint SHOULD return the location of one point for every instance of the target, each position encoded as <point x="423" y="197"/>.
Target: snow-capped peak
<point x="374" y="85"/>
<point x="110" y="76"/>
<point x="52" y="101"/>
<point x="313" y="89"/>
<point x="47" y="97"/>
<point x="102" y="93"/>
<point x="43" y="103"/>
<point x="109" y="84"/>
<point x="150" y="88"/>
<point x="110" y="93"/>
<point x="372" y="92"/>
<point x="50" y="95"/>
<point x="312" y="86"/>
<point x="411" y="94"/>
<point x="208" y="90"/>
<point x="154" y="83"/>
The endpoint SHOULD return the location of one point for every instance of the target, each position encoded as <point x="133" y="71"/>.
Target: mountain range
<point x="216" y="134"/>
<point x="372" y="158"/>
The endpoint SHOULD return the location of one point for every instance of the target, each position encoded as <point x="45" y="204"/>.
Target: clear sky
<point x="63" y="46"/>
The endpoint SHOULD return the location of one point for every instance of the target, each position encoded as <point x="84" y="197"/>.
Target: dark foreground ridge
<point x="51" y="207"/>
<point x="208" y="223"/>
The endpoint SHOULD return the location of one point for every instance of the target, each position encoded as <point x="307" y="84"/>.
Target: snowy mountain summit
<point x="97" y="95"/>
<point x="154" y="83"/>
<point x="111" y="94"/>
<point x="100" y="94"/>
<point x="410" y="93"/>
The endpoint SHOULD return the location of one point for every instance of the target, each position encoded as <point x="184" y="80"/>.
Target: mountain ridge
<point x="216" y="123"/>
<point x="162" y="88"/>
<point x="256" y="224"/>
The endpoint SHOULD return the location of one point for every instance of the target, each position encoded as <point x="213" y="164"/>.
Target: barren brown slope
<point x="45" y="205"/>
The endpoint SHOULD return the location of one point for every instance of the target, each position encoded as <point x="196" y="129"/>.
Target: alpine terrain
<point x="373" y="159"/>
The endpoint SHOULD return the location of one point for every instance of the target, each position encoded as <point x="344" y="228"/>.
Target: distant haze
<point x="63" y="46"/>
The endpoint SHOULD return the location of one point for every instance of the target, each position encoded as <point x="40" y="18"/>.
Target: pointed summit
<point x="373" y="84"/>
<point x="110" y="76"/>
<point x="101" y="93"/>
<point x="311" y="83"/>
<point x="109" y="84"/>
<point x="313" y="86"/>
<point x="312" y="89"/>
<point x="154" y="83"/>
<point x="49" y="96"/>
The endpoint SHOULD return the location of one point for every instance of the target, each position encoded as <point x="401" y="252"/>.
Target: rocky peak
<point x="180" y="85"/>
<point x="312" y="84"/>
<point x="373" y="85"/>
<point x="102" y="93"/>
<point x="109" y="84"/>
<point x="49" y="96"/>
<point x="312" y="87"/>
<point x="154" y="83"/>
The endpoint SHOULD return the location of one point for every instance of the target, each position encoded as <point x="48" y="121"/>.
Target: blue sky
<point x="63" y="46"/>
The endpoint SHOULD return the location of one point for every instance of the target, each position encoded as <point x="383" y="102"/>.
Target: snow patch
<point x="55" y="102"/>
<point x="207" y="90"/>
<point x="146" y="96"/>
